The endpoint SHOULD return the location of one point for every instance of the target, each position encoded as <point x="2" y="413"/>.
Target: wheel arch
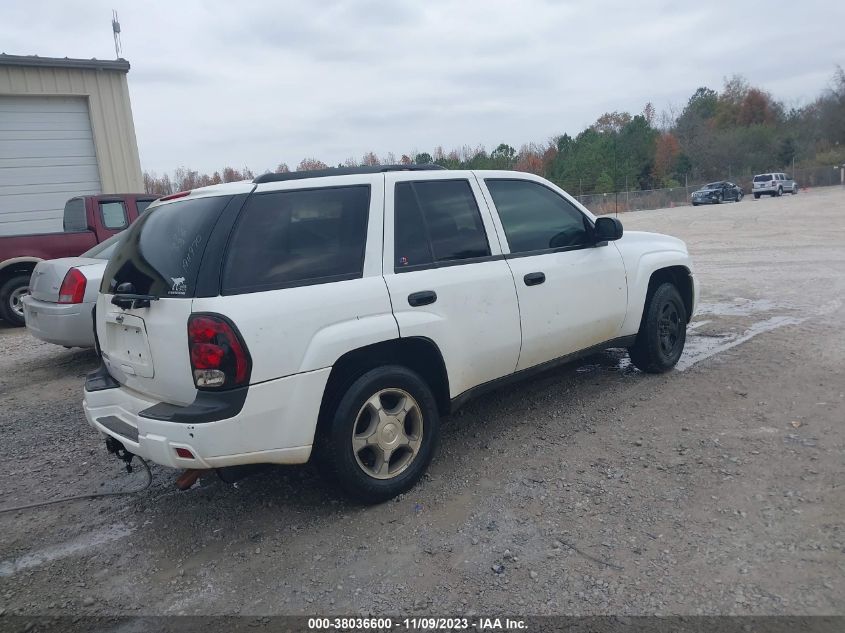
<point x="679" y="276"/>
<point x="17" y="266"/>
<point x="419" y="354"/>
<point x="649" y="271"/>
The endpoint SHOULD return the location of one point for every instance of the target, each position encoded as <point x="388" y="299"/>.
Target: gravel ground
<point x="594" y="489"/>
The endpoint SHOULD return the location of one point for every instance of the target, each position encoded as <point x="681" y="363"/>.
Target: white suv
<point x="774" y="184"/>
<point x="341" y="313"/>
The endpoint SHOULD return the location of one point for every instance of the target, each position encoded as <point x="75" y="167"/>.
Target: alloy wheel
<point x="16" y="300"/>
<point x="387" y="434"/>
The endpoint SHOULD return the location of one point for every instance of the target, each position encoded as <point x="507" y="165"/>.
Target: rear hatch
<point x="48" y="276"/>
<point x="145" y="345"/>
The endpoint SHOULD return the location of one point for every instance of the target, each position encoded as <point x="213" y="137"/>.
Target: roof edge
<point x="120" y="65"/>
<point x="341" y="171"/>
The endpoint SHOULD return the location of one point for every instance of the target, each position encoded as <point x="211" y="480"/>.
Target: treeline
<point x="740" y="130"/>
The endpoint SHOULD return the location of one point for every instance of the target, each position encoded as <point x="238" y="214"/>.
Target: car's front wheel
<point x="663" y="331"/>
<point x="382" y="435"/>
<point x="756" y="196"/>
<point x="780" y="192"/>
<point x="794" y="189"/>
<point x="739" y="195"/>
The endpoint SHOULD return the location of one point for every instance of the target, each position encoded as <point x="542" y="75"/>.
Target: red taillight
<point x="173" y="196"/>
<point x="219" y="358"/>
<point x="73" y="287"/>
<point x="184" y="453"/>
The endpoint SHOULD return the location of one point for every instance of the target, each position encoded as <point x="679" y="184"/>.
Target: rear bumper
<point x="773" y="190"/>
<point x="62" y="324"/>
<point x="276" y="423"/>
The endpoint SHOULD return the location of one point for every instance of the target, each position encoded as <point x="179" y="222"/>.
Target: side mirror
<point x="608" y="229"/>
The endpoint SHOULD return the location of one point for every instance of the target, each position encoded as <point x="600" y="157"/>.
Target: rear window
<point x="298" y="237"/>
<point x="142" y="205"/>
<point x="105" y="249"/>
<point x="163" y="249"/>
<point x="763" y="178"/>
<point x="74" y="218"/>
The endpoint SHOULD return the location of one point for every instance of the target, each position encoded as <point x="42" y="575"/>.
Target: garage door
<point x="46" y="156"/>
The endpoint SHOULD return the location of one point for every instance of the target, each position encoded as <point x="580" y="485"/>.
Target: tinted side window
<point x="114" y="215"/>
<point x="289" y="238"/>
<point x="74" y="219"/>
<point x="437" y="221"/>
<point x="535" y="217"/>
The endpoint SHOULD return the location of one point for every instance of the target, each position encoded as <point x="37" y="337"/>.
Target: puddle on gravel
<point x="699" y="347"/>
<point x="738" y="307"/>
<point x="63" y="550"/>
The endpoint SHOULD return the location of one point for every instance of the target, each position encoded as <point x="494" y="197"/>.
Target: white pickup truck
<point x="343" y="312"/>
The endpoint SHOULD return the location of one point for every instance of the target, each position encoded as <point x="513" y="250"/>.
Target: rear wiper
<point x="132" y="301"/>
<point x="125" y="297"/>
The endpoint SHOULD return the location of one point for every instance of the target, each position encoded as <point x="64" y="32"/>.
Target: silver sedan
<point x="63" y="293"/>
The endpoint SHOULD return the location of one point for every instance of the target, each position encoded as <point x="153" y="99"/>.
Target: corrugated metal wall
<point x="111" y="115"/>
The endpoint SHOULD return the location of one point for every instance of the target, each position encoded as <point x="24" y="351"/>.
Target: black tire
<point x="663" y="331"/>
<point x="9" y="295"/>
<point x="780" y="192"/>
<point x="695" y="204"/>
<point x="739" y="196"/>
<point x="718" y="198"/>
<point x="756" y="196"/>
<point x="338" y="459"/>
<point x="794" y="189"/>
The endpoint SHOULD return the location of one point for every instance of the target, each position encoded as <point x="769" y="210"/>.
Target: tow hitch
<point x="113" y="446"/>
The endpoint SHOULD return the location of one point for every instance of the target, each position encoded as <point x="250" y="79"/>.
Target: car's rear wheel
<point x="382" y="435"/>
<point x="794" y="189"/>
<point x="11" y="299"/>
<point x="663" y="331"/>
<point x="718" y="198"/>
<point x="739" y="196"/>
<point x="756" y="196"/>
<point x="780" y="192"/>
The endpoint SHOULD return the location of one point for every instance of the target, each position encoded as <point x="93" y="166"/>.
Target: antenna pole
<point x="115" y="27"/>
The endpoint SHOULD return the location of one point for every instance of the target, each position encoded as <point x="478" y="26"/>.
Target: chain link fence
<point x="642" y="200"/>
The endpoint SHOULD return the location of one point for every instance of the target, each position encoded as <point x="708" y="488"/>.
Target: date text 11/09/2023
<point x="416" y="624"/>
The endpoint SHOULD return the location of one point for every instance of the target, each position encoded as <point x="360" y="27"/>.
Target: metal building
<point x="66" y="129"/>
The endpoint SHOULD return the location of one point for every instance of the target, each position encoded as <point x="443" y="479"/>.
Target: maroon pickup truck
<point x="88" y="220"/>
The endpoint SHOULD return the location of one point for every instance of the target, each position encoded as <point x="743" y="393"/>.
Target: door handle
<point x="422" y="298"/>
<point x="534" y="279"/>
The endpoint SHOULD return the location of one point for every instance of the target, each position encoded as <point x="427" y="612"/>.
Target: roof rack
<point x="342" y="171"/>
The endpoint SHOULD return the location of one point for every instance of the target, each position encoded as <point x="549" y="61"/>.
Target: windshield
<point x="163" y="248"/>
<point x="104" y="249"/>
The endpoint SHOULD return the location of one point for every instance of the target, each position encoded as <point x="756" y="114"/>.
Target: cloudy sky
<point x="258" y="83"/>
